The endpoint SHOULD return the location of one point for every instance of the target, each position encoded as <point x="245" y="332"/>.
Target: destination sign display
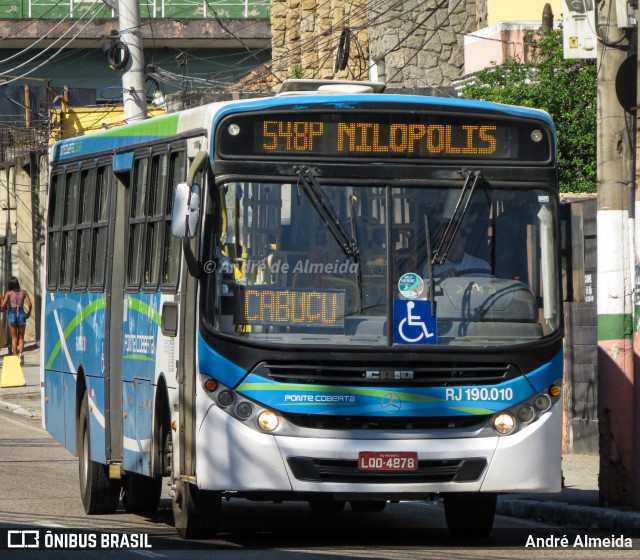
<point x="267" y="306"/>
<point x="401" y="135"/>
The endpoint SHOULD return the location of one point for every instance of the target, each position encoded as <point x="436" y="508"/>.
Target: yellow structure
<point x="520" y="10"/>
<point x="80" y="121"/>
<point x="12" y="375"/>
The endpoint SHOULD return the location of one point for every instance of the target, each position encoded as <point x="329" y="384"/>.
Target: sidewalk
<point x="24" y="400"/>
<point x="576" y="506"/>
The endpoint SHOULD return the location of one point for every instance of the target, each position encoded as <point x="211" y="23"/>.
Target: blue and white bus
<point x="336" y="296"/>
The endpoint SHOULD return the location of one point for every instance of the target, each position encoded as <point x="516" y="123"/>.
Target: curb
<point x="569" y="515"/>
<point x="17" y="409"/>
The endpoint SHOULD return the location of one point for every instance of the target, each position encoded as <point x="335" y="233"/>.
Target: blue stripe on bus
<point x="213" y="364"/>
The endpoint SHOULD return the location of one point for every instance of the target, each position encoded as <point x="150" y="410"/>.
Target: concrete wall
<point x="580" y="390"/>
<point x="22" y="227"/>
<point x="306" y="35"/>
<point x="519" y="10"/>
<point x="418" y="44"/>
<point x="496" y="44"/>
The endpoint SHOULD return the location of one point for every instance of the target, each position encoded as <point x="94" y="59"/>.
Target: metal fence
<point x="79" y="9"/>
<point x="17" y="142"/>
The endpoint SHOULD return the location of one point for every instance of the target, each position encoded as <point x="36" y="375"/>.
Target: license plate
<point x="387" y="461"/>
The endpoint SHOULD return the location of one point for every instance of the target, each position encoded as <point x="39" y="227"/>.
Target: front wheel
<point x="470" y="516"/>
<point x="99" y="493"/>
<point x="196" y="513"/>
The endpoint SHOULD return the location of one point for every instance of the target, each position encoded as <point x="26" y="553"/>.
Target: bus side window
<point x="86" y="197"/>
<point x="100" y="228"/>
<point x="171" y="256"/>
<point x="137" y="204"/>
<point x="56" y="206"/>
<point x="155" y="221"/>
<point x="68" y="239"/>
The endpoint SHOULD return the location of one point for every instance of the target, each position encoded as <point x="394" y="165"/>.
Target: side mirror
<point x="186" y="210"/>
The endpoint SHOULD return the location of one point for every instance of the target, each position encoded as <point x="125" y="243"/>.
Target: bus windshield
<point x="309" y="263"/>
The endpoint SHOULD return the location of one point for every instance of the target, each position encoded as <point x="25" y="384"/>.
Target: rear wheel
<point x="470" y="515"/>
<point x="141" y="494"/>
<point x="99" y="493"/>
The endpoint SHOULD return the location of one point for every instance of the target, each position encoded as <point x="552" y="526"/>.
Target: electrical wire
<point x="33" y="59"/>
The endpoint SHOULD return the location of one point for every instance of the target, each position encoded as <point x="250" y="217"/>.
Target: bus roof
<point x="201" y="118"/>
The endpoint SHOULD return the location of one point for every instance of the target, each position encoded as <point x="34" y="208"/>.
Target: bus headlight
<point x="542" y="402"/>
<point x="504" y="423"/>
<point x="244" y="410"/>
<point x="225" y="398"/>
<point x="526" y="413"/>
<point x="268" y="421"/>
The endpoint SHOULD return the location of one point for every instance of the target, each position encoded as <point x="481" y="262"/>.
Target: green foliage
<point x="566" y="89"/>
<point x="296" y="72"/>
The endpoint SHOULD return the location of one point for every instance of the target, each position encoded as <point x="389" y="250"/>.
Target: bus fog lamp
<point x="268" y="421"/>
<point x="542" y="403"/>
<point x="504" y="423"/>
<point x="537" y="135"/>
<point x="526" y="413"/>
<point x="244" y="410"/>
<point x="225" y="398"/>
<point x="234" y="129"/>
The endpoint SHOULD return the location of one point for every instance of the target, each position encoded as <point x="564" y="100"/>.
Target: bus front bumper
<point x="233" y="457"/>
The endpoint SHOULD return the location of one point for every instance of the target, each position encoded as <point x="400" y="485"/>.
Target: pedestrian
<point x="13" y="305"/>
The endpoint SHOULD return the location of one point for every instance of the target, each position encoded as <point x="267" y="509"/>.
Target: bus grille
<point x="326" y="422"/>
<point x="397" y="376"/>
<point x="335" y="470"/>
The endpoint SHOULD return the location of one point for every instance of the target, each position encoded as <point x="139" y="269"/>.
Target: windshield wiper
<point x="356" y="256"/>
<point x="430" y="280"/>
<point x="313" y="191"/>
<point x="446" y="239"/>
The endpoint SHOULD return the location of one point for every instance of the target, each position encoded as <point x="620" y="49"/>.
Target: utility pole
<point x="134" y="96"/>
<point x="616" y="270"/>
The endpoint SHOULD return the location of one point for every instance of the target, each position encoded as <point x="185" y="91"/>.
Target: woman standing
<point x="13" y="303"/>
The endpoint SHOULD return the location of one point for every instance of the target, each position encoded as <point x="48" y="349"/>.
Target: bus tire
<point x="141" y="494"/>
<point x="470" y="516"/>
<point x="99" y="493"/>
<point x="368" y="506"/>
<point x="196" y="513"/>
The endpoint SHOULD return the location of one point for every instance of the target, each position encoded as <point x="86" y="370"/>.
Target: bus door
<point x="114" y="317"/>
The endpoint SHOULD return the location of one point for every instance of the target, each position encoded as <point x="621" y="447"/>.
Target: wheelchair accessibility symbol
<point x="413" y="322"/>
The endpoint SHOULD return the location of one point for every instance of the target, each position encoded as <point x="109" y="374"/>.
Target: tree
<point x="566" y="89"/>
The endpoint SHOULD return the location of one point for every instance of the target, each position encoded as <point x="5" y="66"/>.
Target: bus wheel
<point x="99" y="493"/>
<point x="470" y="515"/>
<point x="326" y="506"/>
<point x="196" y="513"/>
<point x="364" y="506"/>
<point x="141" y="494"/>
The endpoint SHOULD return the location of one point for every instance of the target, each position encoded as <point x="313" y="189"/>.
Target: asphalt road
<point x="39" y="493"/>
